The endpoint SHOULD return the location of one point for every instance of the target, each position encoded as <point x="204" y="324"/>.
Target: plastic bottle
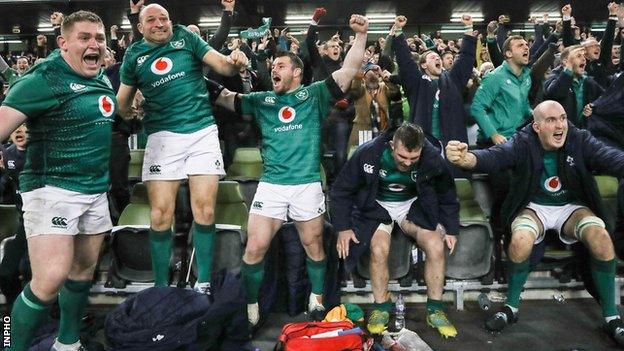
<point x="484" y="302"/>
<point x="399" y="317"/>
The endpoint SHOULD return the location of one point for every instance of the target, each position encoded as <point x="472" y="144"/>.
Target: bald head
<point x="151" y="8"/>
<point x="193" y="28"/>
<point x="154" y="24"/>
<point x="547" y="108"/>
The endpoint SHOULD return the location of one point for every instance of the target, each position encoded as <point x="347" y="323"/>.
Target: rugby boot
<point x="315" y="307"/>
<point x="615" y="328"/>
<point x="378" y="321"/>
<point x="439" y="320"/>
<point x="499" y="320"/>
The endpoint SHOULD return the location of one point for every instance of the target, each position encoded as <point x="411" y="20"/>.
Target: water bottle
<point x="484" y="302"/>
<point x="399" y="317"/>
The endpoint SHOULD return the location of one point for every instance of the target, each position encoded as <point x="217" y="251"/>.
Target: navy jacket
<point x="607" y="121"/>
<point x="558" y="87"/>
<point x="353" y="194"/>
<point x="581" y="155"/>
<point x="420" y="90"/>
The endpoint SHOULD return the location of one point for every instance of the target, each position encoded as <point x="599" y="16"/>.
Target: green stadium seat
<point x="136" y="164"/>
<point x="9" y="221"/>
<point x="231" y="208"/>
<point x="137" y="212"/>
<point x="608" y="187"/>
<point x="247" y="165"/>
<point x="473" y="252"/>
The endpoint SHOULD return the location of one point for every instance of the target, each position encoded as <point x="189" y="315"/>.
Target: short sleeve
<point x="197" y="44"/>
<point x="325" y="92"/>
<point x="127" y="71"/>
<point x="31" y="96"/>
<point x="249" y="102"/>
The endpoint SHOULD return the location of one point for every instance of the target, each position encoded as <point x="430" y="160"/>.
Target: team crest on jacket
<point x="286" y="114"/>
<point x="302" y="95"/>
<point x="552" y="184"/>
<point x="178" y="44"/>
<point x="106" y="105"/>
<point x="161" y="65"/>
<point x="414" y="176"/>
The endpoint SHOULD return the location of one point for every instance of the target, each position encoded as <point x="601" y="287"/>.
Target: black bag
<point x="168" y="318"/>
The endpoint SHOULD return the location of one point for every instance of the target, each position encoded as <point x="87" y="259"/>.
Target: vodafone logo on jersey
<point x="161" y="65"/>
<point x="552" y="184"/>
<point x="286" y="114"/>
<point x="106" y="105"/>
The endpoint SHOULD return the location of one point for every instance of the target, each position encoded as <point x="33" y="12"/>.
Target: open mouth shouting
<point x="558" y="136"/>
<point x="92" y="60"/>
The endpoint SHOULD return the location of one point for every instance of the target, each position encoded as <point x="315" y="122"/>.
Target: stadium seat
<point x="231" y="208"/>
<point x="9" y="221"/>
<point x="608" y="187"/>
<point x="247" y="165"/>
<point x="473" y="252"/>
<point x="399" y="260"/>
<point x="246" y="169"/>
<point x="130" y="259"/>
<point x="136" y="164"/>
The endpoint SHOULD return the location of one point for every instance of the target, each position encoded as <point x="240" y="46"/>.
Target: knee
<point x="379" y="251"/>
<point x="47" y="289"/>
<point x="255" y="250"/>
<point x="520" y="247"/>
<point x="434" y="248"/>
<point x="161" y="217"/>
<point x="204" y="214"/>
<point x="312" y="238"/>
<point x="601" y="245"/>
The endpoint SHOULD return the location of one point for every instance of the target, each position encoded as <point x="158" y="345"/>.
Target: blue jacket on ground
<point x="354" y="191"/>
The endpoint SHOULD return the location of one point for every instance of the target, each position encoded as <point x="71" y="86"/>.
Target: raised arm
<point x="220" y="36"/>
<point x="225" y="65"/>
<point x="353" y="60"/>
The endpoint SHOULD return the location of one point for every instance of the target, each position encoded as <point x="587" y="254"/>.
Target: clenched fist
<point x="237" y="58"/>
<point x="358" y="23"/>
<point x="457" y="152"/>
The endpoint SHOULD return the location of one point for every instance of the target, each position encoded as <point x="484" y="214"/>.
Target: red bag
<point x="295" y="337"/>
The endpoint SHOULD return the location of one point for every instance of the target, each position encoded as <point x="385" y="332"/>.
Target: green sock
<point x="518" y="273"/>
<point x="26" y="317"/>
<point x="203" y="242"/>
<point x="434" y="305"/>
<point x="316" y="273"/>
<point x="603" y="274"/>
<point x="386" y="306"/>
<point x="252" y="275"/>
<point x="72" y="301"/>
<point x="160" y="246"/>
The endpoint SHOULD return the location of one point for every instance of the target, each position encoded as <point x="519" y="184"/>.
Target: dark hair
<point x="507" y="44"/>
<point x="410" y="135"/>
<point x="79" y="16"/>
<point x="294" y="59"/>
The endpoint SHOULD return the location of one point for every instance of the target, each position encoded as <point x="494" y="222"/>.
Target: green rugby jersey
<point x="69" y="126"/>
<point x="291" y="131"/>
<point x="171" y="80"/>
<point x="394" y="185"/>
<point x="551" y="191"/>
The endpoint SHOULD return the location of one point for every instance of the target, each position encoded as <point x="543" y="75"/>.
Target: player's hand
<point x="498" y="139"/>
<point x="56" y="18"/>
<point x="400" y="22"/>
<point x="344" y="239"/>
<point x="450" y="241"/>
<point x="136" y="8"/>
<point x="1" y="162"/>
<point x="613" y="8"/>
<point x="588" y="110"/>
<point x="228" y="5"/>
<point x="566" y="10"/>
<point x="466" y="20"/>
<point x="456" y="152"/>
<point x="41" y="40"/>
<point x="358" y="23"/>
<point x="237" y="58"/>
